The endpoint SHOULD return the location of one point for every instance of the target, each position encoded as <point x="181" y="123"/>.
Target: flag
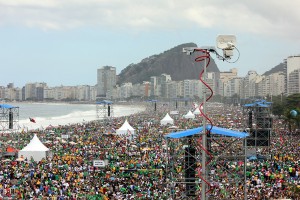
<point x="281" y="140"/>
<point x="32" y="120"/>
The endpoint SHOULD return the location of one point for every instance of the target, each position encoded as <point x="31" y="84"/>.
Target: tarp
<point x="35" y="149"/>
<point x="104" y="102"/>
<point x="215" y="130"/>
<point x="259" y="103"/>
<point x="125" y="129"/>
<point x="6" y="106"/>
<point x="167" y="120"/>
<point x="10" y="149"/>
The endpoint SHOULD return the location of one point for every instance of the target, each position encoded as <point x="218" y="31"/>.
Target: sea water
<point x="54" y="114"/>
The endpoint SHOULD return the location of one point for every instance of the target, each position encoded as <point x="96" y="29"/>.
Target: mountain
<point x="173" y="62"/>
<point x="278" y="68"/>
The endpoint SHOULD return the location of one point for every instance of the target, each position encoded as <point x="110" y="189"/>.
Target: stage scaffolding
<point x="224" y="167"/>
<point x="104" y="110"/>
<point x="9" y="118"/>
<point x="259" y="125"/>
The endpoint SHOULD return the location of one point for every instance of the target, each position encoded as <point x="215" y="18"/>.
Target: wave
<point x="74" y="117"/>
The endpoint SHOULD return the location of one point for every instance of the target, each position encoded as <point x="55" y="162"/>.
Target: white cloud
<point x="274" y="17"/>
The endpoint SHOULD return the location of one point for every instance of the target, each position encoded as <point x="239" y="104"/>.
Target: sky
<point x="64" y="42"/>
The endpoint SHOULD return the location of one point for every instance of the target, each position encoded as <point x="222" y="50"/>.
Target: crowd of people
<point x="145" y="165"/>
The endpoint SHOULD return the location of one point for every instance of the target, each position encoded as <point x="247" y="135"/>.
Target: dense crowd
<point x="138" y="165"/>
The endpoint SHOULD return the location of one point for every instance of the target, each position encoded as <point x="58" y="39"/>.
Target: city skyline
<point x="63" y="43"/>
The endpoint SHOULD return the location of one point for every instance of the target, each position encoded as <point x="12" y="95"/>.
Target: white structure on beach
<point x="35" y="149"/>
<point x="125" y="129"/>
<point x="167" y="120"/>
<point x="189" y="115"/>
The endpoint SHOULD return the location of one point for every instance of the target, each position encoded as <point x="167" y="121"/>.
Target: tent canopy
<point x="35" y="149"/>
<point x="6" y="106"/>
<point x="189" y="115"/>
<point x="167" y="120"/>
<point x="197" y="111"/>
<point x="259" y="103"/>
<point x="215" y="130"/>
<point x="35" y="145"/>
<point x="105" y="102"/>
<point x="125" y="128"/>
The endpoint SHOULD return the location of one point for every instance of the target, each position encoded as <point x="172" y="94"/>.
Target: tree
<point x="292" y="102"/>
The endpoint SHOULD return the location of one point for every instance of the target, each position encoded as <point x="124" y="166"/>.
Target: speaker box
<point x="108" y="110"/>
<point x="10" y="120"/>
<point x="259" y="137"/>
<point x="190" y="171"/>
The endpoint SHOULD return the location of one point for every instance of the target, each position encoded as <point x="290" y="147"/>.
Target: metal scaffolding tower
<point x="259" y="123"/>
<point x="226" y="158"/>
<point x="104" y="110"/>
<point x="9" y="118"/>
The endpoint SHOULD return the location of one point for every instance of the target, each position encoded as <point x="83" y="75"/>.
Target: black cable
<point x="226" y="60"/>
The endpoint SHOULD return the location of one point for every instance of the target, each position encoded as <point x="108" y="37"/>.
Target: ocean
<point x="55" y="114"/>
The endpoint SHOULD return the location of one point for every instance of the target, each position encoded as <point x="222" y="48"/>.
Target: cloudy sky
<point x="64" y="42"/>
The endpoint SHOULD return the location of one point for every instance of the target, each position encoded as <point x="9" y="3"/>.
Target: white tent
<point x="167" y="120"/>
<point x="197" y="111"/>
<point x="189" y="115"/>
<point x="125" y="129"/>
<point x="35" y="149"/>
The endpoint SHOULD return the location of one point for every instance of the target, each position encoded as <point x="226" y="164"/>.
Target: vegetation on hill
<point x="173" y="62"/>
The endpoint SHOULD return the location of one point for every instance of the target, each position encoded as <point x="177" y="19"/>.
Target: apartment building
<point x="293" y="66"/>
<point x="106" y="81"/>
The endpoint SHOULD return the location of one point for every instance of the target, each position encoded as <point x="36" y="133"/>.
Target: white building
<point x="293" y="82"/>
<point x="277" y="83"/>
<point x="83" y="93"/>
<point x="192" y="88"/>
<point x="293" y="65"/>
<point x="34" y="91"/>
<point x="249" y="85"/>
<point x="126" y="90"/>
<point x="233" y="87"/>
<point x="106" y="81"/>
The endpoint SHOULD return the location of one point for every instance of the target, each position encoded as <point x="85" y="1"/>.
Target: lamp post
<point x="204" y="138"/>
<point x="227" y="43"/>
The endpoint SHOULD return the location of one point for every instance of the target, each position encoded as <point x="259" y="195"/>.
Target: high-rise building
<point x="223" y="82"/>
<point x="164" y="79"/>
<point x="294" y="82"/>
<point x="34" y="91"/>
<point x="293" y="65"/>
<point x="277" y="84"/>
<point x="154" y="86"/>
<point x="249" y="85"/>
<point x="192" y="88"/>
<point x="106" y="81"/>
